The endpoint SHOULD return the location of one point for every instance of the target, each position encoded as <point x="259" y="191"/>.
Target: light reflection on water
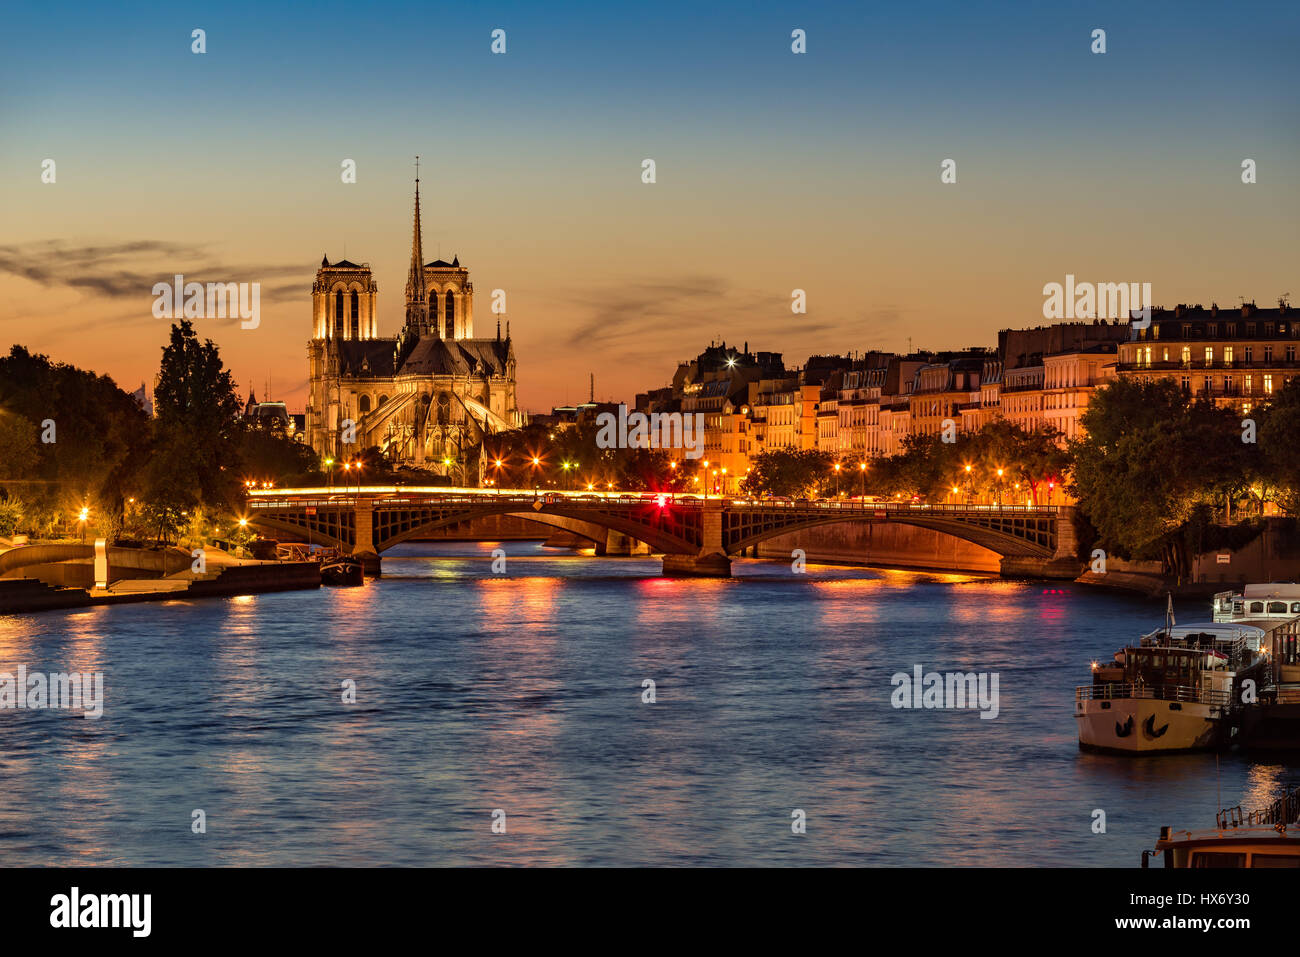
<point x="522" y="692"/>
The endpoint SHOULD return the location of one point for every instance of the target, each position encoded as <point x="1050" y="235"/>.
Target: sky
<point x="775" y="171"/>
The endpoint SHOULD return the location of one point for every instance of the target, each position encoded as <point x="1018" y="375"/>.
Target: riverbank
<point x="225" y="576"/>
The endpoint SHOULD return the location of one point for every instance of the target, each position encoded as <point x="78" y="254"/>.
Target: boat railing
<point x="1280" y="813"/>
<point x="302" y="552"/>
<point x="1114" y="690"/>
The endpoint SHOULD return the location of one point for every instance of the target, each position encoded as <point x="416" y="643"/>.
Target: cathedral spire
<point x="417" y="305"/>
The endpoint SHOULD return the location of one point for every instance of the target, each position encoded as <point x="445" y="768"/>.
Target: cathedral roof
<point x="464" y="357"/>
<point x="443" y="264"/>
<point x="366" y="357"/>
<point x="341" y="264"/>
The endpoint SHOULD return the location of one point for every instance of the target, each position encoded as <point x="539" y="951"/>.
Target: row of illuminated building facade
<point x="862" y="406"/>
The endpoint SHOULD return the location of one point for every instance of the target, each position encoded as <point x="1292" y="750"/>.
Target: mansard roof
<point x="463" y="357"/>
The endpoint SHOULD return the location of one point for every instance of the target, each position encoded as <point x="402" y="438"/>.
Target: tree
<point x="196" y="429"/>
<point x="94" y="439"/>
<point x="1279" y="445"/>
<point x="18" y="456"/>
<point x="11" y="516"/>
<point x="793" y="473"/>
<point x="265" y="455"/>
<point x="1151" y="461"/>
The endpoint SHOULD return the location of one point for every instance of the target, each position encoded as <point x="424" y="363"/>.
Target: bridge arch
<point x="586" y="522"/>
<point x="1035" y="542"/>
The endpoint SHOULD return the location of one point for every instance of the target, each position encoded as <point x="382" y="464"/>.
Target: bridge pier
<point x="713" y="565"/>
<point x="1025" y="566"/>
<point x="1064" y="563"/>
<point x="712" y="560"/>
<point x="364" y="548"/>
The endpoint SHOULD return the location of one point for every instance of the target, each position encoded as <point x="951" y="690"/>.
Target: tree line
<point x="72" y="440"/>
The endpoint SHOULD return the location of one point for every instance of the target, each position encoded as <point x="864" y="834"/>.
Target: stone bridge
<point x="696" y="536"/>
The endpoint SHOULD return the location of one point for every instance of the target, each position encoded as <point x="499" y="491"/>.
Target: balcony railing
<point x="1264" y="365"/>
<point x="1117" y="690"/>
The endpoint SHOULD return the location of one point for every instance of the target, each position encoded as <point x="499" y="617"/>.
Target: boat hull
<point x="1271" y="727"/>
<point x="343" y="574"/>
<point x="1149" y="726"/>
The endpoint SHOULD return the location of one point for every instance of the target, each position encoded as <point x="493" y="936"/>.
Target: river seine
<point x="517" y="700"/>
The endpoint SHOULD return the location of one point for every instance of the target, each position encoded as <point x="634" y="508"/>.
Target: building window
<point x="450" y="323"/>
<point x="1209" y="356"/>
<point x="356" y="316"/>
<point x="1290" y="353"/>
<point x="1227" y="354"/>
<point x="1268" y="383"/>
<point x="1250" y="384"/>
<point x="1187" y="355"/>
<point x="363" y="403"/>
<point x="1249" y="353"/>
<point x="338" y="314"/>
<point x="1268" y="353"/>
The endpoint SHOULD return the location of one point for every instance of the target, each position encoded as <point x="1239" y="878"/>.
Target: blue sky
<point x="776" y="171"/>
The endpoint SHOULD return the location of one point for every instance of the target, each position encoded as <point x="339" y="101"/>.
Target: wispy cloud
<point x="130" y="269"/>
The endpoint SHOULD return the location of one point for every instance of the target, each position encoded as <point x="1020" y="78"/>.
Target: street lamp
<point x="862" y="469"/>
<point x="81" y="519"/>
<point x="837" y="481"/>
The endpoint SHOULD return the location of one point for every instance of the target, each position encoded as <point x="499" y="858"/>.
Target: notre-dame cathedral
<point x="426" y="397"/>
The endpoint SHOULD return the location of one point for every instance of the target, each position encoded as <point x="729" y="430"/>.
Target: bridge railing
<point x="397" y="496"/>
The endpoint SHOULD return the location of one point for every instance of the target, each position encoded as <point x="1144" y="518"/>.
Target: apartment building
<point x="1237" y="358"/>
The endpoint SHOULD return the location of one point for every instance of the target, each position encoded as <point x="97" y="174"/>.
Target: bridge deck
<point x="374" y="518"/>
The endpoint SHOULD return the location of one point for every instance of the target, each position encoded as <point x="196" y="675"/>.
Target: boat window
<point x="1295" y="607"/>
<point x="1274" y="860"/>
<point x="1216" y="859"/>
<point x="1238" y="607"/>
<point x="1256" y="607"/>
<point x="1277" y="606"/>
